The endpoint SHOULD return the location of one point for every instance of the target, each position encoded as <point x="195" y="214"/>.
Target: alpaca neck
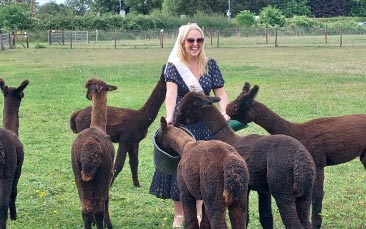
<point x="217" y="125"/>
<point x="10" y="115"/>
<point x="99" y="113"/>
<point x="152" y="106"/>
<point x="269" y="120"/>
<point x="184" y="141"/>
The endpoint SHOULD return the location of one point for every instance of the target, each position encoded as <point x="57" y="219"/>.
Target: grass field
<point x="298" y="83"/>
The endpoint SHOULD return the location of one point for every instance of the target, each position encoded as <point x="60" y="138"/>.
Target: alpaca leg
<point x="317" y="198"/>
<point x="216" y="213"/>
<point x="363" y="158"/>
<point x="99" y="219"/>
<point x="303" y="210"/>
<point x="88" y="219"/>
<point x="107" y="219"/>
<point x="205" y="223"/>
<point x="189" y="209"/>
<point x="120" y="160"/>
<point x="14" y="192"/>
<point x="265" y="209"/>
<point x="3" y="205"/>
<point x="134" y="162"/>
<point x="287" y="208"/>
<point x="5" y="190"/>
<point x="238" y="213"/>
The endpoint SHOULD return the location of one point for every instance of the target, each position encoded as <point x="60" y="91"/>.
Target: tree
<point x="256" y="6"/>
<point x="80" y="7"/>
<point x="272" y="16"/>
<point x="15" y="17"/>
<point x="358" y="8"/>
<point x="293" y="7"/>
<point x="330" y="8"/>
<point x="143" y="6"/>
<point x="169" y="7"/>
<point x="245" y="18"/>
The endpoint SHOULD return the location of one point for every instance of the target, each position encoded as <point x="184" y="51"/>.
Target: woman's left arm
<point x="221" y="93"/>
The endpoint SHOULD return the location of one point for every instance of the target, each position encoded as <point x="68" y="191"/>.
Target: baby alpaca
<point x="92" y="158"/>
<point x="209" y="170"/>
<point x="11" y="151"/>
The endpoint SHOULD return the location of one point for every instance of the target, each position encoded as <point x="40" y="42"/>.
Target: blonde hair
<point x="202" y="58"/>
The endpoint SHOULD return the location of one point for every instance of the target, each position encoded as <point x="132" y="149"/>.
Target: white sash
<point x="189" y="79"/>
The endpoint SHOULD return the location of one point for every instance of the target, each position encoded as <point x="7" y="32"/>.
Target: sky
<point x="41" y="2"/>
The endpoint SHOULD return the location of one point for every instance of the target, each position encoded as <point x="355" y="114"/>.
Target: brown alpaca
<point x="209" y="170"/>
<point x="330" y="141"/>
<point x="92" y="158"/>
<point x="127" y="127"/>
<point x="278" y="164"/>
<point x="11" y="151"/>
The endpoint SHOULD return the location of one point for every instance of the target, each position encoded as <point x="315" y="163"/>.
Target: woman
<point x="188" y="69"/>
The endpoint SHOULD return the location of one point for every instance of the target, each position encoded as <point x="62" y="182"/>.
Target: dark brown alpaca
<point x="127" y="127"/>
<point x="278" y="165"/>
<point x="11" y="151"/>
<point x="330" y="141"/>
<point x="209" y="170"/>
<point x="92" y="158"/>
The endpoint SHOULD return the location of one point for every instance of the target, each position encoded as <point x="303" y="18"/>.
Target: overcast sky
<point x="41" y="2"/>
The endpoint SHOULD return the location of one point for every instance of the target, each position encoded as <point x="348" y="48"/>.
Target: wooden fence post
<point x="218" y="38"/>
<point x="326" y="34"/>
<point x="276" y="44"/>
<point x="162" y="38"/>
<point x="1" y="42"/>
<point x="341" y="36"/>
<point x="115" y="40"/>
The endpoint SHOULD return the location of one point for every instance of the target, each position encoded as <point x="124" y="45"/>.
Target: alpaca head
<point x="241" y="108"/>
<point x="97" y="88"/>
<point x="13" y="92"/>
<point x="190" y="107"/>
<point x="165" y="136"/>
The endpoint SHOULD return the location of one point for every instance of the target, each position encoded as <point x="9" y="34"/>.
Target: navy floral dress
<point x="165" y="186"/>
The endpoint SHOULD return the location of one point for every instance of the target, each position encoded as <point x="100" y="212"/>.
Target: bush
<point x="272" y="16"/>
<point x="245" y="18"/>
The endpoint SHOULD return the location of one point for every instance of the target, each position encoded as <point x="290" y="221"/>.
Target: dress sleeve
<point x="215" y="73"/>
<point x="171" y="73"/>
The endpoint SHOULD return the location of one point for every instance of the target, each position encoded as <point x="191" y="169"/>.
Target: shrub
<point x="245" y="18"/>
<point x="272" y="16"/>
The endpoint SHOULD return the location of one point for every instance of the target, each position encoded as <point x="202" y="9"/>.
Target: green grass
<point x="297" y="83"/>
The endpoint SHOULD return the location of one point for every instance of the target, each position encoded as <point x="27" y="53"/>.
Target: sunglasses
<point x="198" y="40"/>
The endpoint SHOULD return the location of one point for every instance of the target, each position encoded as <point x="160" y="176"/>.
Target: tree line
<point x="151" y="14"/>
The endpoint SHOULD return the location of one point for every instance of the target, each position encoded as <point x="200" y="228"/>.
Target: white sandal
<point x="175" y="225"/>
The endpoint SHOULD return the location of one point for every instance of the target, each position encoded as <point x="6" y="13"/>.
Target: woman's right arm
<point x="170" y="100"/>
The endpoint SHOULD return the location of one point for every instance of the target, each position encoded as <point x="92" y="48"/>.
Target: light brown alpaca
<point x="330" y="141"/>
<point x="127" y="127"/>
<point x="11" y="151"/>
<point x="92" y="158"/>
<point x="278" y="165"/>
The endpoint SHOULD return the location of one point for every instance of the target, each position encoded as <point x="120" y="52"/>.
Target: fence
<point x="4" y="41"/>
<point x="9" y="40"/>
<point x="245" y="37"/>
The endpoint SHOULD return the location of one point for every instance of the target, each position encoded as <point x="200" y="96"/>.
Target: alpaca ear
<point x="206" y="102"/>
<point x="246" y="87"/>
<point x="253" y="92"/>
<point x="163" y="124"/>
<point x="2" y="85"/>
<point x="111" y="87"/>
<point x="23" y="85"/>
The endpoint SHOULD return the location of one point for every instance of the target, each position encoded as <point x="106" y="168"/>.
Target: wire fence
<point x="243" y="37"/>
